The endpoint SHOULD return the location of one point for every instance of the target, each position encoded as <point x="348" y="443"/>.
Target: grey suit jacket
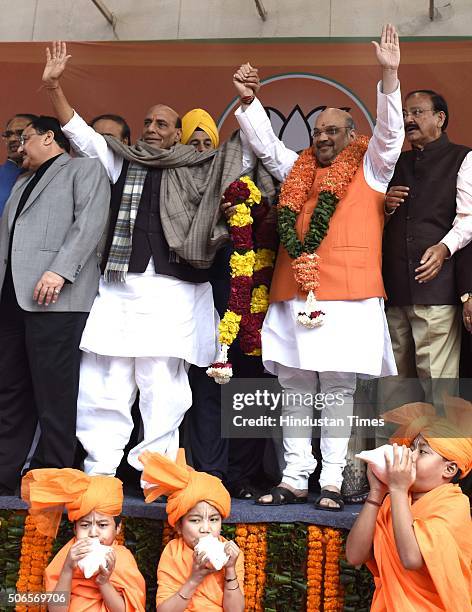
<point x="58" y="230"/>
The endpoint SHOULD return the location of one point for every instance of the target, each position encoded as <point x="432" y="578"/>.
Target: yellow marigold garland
<point x="252" y="540"/>
<point x="247" y="304"/>
<point x="36" y="550"/>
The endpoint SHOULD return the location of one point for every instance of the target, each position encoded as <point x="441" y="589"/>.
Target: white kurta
<point x="359" y="343"/>
<point x="152" y="315"/>
<point x="354" y="336"/>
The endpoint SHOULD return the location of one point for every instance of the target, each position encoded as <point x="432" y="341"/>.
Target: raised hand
<point x="56" y="61"/>
<point x="388" y="51"/>
<point x="246" y="81"/>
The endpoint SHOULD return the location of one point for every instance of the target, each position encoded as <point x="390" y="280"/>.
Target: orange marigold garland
<point x="168" y="534"/>
<point x="293" y="195"/>
<point x="120" y="537"/>
<point x="331" y="580"/>
<point x="36" y="550"/>
<point x="252" y="540"/>
<point x="314" y="572"/>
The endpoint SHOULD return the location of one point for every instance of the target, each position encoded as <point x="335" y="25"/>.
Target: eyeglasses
<point x="417" y="112"/>
<point x="24" y="139"/>
<point x="329" y="131"/>
<point x="10" y="133"/>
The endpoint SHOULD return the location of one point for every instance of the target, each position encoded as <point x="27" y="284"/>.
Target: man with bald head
<point x="154" y="313"/>
<point x="350" y="338"/>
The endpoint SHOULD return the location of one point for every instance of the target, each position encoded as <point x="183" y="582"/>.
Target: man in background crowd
<point x="11" y="169"/>
<point x="112" y="125"/>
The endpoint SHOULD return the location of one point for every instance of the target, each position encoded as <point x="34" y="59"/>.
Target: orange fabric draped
<point x="449" y="435"/>
<point x="442" y="525"/>
<point x="48" y="491"/>
<point x="175" y="567"/>
<point x="85" y="594"/>
<point x="182" y="484"/>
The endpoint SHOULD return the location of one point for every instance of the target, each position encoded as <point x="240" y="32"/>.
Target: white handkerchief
<point x="90" y="564"/>
<point x="214" y="551"/>
<point x="376" y="458"/>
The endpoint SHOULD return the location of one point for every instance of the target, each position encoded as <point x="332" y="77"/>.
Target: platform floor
<point x="242" y="511"/>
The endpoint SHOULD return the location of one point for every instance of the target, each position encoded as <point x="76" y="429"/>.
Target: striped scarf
<point x="120" y="250"/>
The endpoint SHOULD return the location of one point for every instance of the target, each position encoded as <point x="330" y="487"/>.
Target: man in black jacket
<point x="429" y="209"/>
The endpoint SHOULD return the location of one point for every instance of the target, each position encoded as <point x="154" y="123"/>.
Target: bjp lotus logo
<point x="293" y="101"/>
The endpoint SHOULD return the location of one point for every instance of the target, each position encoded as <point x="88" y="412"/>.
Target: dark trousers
<point x="203" y="421"/>
<point x="39" y="381"/>
<point x="203" y="425"/>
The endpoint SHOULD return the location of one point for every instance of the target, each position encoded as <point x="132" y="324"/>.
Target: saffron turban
<point x="182" y="484"/>
<point x="449" y="435"/>
<point x="51" y="490"/>
<point x="199" y="118"/>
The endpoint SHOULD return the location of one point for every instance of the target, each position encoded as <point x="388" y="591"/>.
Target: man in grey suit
<point x="49" y="272"/>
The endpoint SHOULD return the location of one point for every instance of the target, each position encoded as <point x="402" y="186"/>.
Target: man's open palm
<point x="388" y="51"/>
<point x="56" y="61"/>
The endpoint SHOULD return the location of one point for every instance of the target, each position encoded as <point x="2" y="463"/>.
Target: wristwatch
<point x="466" y="297"/>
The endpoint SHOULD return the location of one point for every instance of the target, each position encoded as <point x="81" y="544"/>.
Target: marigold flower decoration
<point x="314" y="571"/>
<point x="293" y="195"/>
<point x="252" y="540"/>
<point x="331" y="580"/>
<point x="36" y="550"/>
<point x="251" y="272"/>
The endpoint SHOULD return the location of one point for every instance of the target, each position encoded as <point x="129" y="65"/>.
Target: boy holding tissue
<point x="199" y="570"/>
<point x="98" y="574"/>
<point x="414" y="531"/>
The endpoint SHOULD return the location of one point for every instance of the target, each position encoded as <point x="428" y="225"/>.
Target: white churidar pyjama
<point x="299" y="460"/>
<point x="353" y="340"/>
<point x="141" y="335"/>
<point x="108" y="387"/>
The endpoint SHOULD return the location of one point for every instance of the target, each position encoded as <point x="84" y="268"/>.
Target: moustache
<point x="326" y="143"/>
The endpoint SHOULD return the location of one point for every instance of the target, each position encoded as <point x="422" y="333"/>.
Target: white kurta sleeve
<point x="255" y="124"/>
<point x="248" y="156"/>
<point x="461" y="233"/>
<point x="89" y="143"/>
<point x="387" y="140"/>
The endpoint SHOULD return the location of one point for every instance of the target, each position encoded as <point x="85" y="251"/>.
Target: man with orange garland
<point x="347" y="276"/>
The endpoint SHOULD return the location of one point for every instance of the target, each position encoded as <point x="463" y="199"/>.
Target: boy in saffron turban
<point x="197" y="503"/>
<point x="424" y="524"/>
<point x="93" y="504"/>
